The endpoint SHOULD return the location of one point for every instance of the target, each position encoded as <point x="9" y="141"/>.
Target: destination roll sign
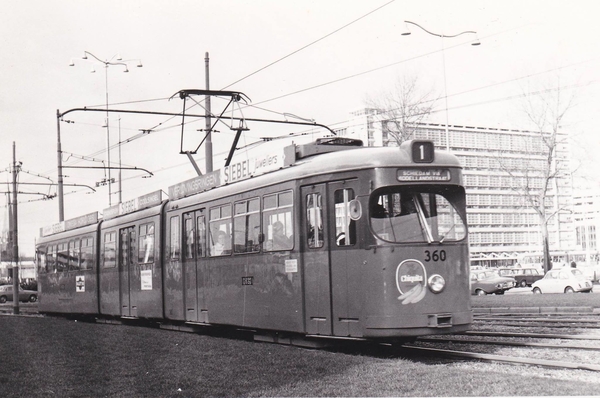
<point x="423" y="175"/>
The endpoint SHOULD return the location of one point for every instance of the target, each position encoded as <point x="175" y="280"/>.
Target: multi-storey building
<point x="586" y="219"/>
<point x="500" y="166"/>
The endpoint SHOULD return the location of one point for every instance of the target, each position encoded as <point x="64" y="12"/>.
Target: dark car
<point x="524" y="276"/>
<point x="488" y="282"/>
<point x="6" y="294"/>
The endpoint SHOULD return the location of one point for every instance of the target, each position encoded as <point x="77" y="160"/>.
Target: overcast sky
<point x="321" y="60"/>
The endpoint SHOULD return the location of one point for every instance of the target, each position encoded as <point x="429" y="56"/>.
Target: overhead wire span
<point x="292" y="53"/>
<point x="309" y="44"/>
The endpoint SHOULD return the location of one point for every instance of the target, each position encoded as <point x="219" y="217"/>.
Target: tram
<point x="328" y="239"/>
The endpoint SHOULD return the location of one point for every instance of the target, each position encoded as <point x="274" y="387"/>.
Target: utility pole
<point x="15" y="273"/>
<point x="208" y="153"/>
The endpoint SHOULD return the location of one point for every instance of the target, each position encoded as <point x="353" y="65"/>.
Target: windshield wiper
<point x="423" y="220"/>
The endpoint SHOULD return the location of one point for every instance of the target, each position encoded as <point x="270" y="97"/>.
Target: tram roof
<point x="354" y="158"/>
<point x="307" y="163"/>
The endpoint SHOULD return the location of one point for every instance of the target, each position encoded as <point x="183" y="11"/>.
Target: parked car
<point x="524" y="276"/>
<point x="562" y="280"/>
<point x="487" y="282"/>
<point x="6" y="294"/>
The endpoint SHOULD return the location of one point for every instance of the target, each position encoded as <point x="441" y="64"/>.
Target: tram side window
<point x="51" y="259"/>
<point x="127" y="248"/>
<point x="189" y="236"/>
<point x="246" y="226"/>
<point x="220" y="230"/>
<point x="314" y="220"/>
<point x="62" y="260"/>
<point x="278" y="220"/>
<point x="345" y="227"/>
<point x="41" y="261"/>
<point x="110" y="252"/>
<point x="146" y="243"/>
<point x="87" y="254"/>
<point x="201" y="243"/>
<point x="74" y="255"/>
<point x="174" y="240"/>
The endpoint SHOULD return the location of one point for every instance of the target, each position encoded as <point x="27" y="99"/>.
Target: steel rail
<point x="501" y="358"/>
<point x="565" y="320"/>
<point x="536" y="335"/>
<point x="506" y="343"/>
<point x="542" y="325"/>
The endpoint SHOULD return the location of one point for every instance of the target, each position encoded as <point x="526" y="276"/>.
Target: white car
<point x="562" y="280"/>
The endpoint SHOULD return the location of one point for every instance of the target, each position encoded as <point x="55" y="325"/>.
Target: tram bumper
<point x="417" y="324"/>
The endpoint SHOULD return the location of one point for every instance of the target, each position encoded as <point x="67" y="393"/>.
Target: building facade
<point x="586" y="219"/>
<point x="500" y="166"/>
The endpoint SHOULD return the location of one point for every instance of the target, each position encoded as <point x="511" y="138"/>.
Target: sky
<point x="318" y="60"/>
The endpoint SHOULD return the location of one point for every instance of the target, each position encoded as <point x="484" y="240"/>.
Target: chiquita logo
<point x="410" y="281"/>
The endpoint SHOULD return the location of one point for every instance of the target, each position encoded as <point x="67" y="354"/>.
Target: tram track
<point x="507" y="343"/>
<point x="567" y="341"/>
<point x="490" y="346"/>
<point x="444" y="353"/>
<point x="554" y="322"/>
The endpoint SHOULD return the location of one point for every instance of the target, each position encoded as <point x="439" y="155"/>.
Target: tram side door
<point x="346" y="277"/>
<point x="194" y="266"/>
<point x="315" y="251"/>
<point x="127" y="242"/>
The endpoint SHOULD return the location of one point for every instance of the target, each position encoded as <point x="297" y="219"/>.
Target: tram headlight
<point x="436" y="283"/>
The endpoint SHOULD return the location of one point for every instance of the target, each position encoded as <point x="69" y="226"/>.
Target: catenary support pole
<point x="209" y="149"/>
<point x="15" y="257"/>
<point x="61" y="206"/>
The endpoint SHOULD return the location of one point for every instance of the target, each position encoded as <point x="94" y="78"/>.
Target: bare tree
<point x="537" y="177"/>
<point x="402" y="108"/>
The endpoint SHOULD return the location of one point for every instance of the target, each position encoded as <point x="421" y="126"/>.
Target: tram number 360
<point x="436" y="255"/>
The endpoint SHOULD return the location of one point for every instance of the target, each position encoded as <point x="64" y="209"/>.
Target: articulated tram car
<point x="326" y="239"/>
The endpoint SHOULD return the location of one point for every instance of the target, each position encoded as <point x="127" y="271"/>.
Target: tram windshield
<point x="416" y="215"/>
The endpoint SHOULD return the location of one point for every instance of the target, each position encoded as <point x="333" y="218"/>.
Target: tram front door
<point x="331" y="296"/>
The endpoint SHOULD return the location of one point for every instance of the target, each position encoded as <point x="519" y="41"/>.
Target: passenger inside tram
<point x="280" y="240"/>
<point x="222" y="245"/>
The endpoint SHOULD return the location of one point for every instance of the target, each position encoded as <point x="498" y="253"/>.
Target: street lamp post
<point x="106" y="64"/>
<point x="442" y="36"/>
